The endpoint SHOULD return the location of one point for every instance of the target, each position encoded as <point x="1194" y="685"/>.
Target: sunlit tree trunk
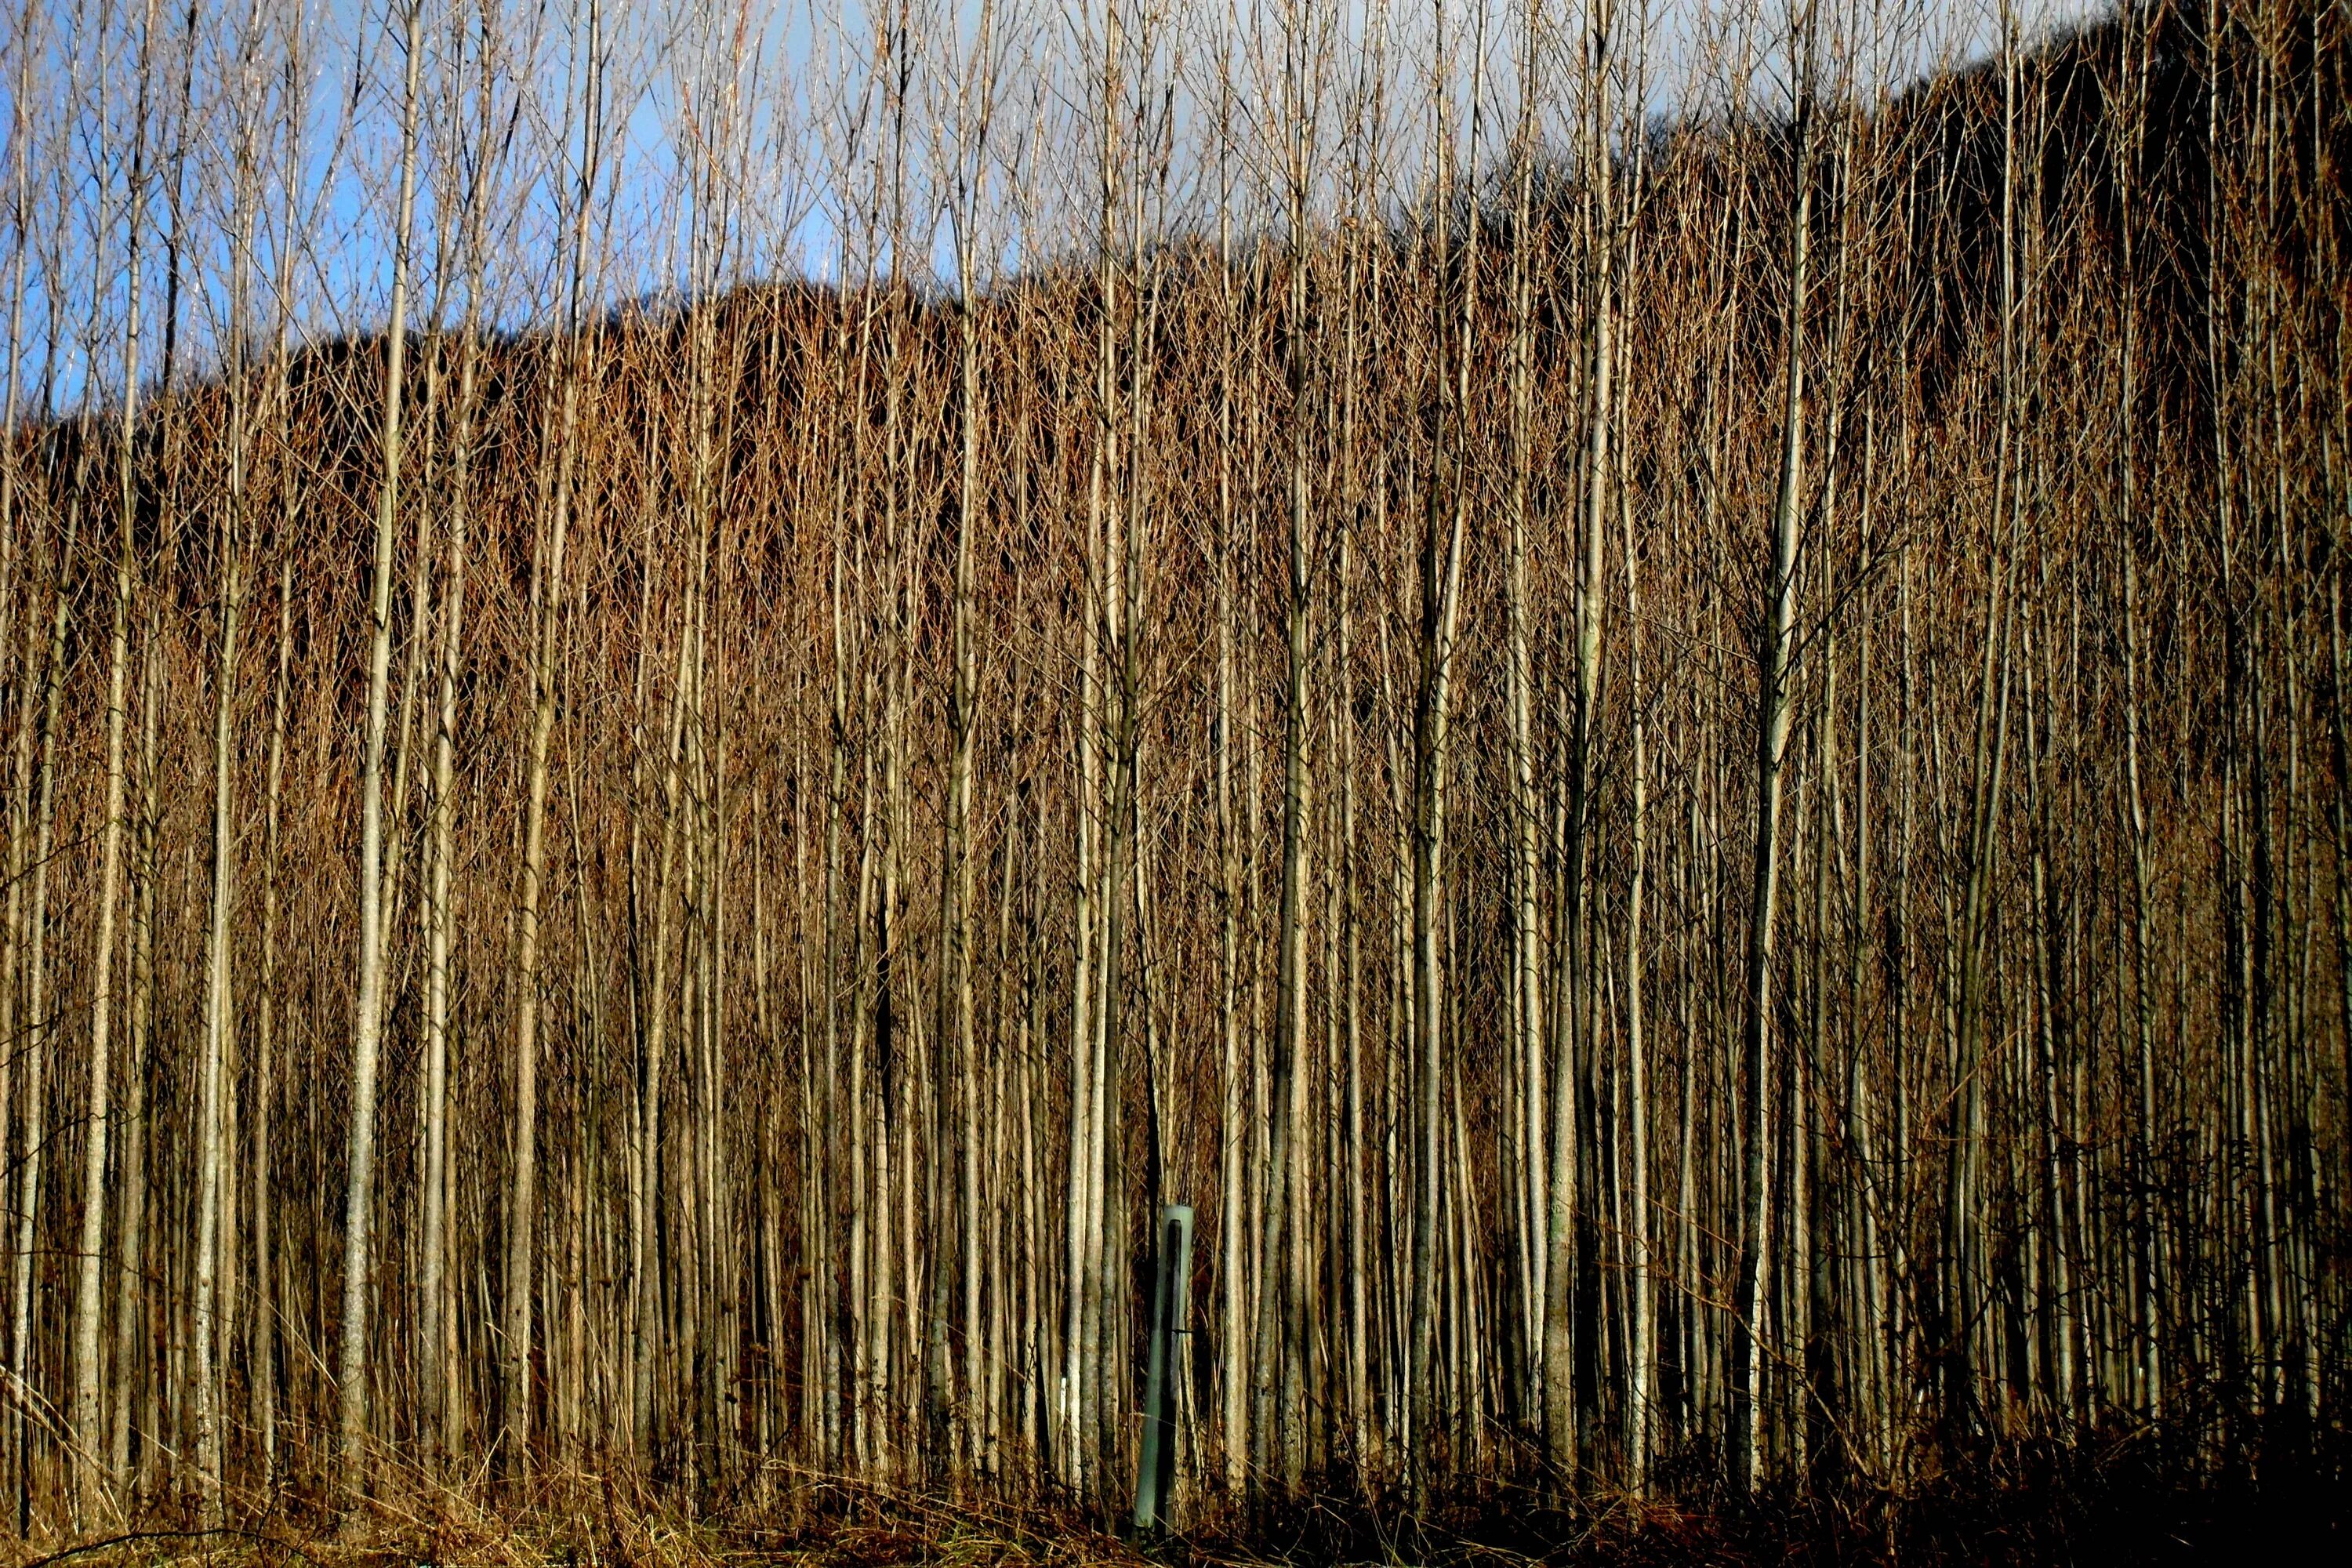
<point x="1775" y="633"/>
<point x="358" y="1209"/>
<point x="89" y="1439"/>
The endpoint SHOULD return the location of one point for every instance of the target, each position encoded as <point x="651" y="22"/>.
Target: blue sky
<point x="744" y="139"/>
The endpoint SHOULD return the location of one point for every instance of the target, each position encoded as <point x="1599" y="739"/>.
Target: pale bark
<point x="1275" y="1423"/>
<point x="358" y="1209"/>
<point x="1758" y="1066"/>
<point x="1575" y="1048"/>
<point x="1641" y="1419"/>
<point x="1526" y="808"/>
<point x="1444" y="522"/>
<point x="547" y="606"/>
<point x="433" y="1331"/>
<point x="87" y="1370"/>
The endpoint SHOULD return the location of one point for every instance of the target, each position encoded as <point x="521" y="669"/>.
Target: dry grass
<point x="2124" y="1497"/>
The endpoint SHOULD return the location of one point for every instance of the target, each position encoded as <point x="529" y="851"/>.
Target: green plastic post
<point x="1155" y="1470"/>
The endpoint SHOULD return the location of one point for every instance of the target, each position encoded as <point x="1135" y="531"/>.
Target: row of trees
<point x="1686" y="771"/>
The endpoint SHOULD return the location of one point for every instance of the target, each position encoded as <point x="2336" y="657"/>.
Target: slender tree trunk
<point x="1774" y="636"/>
<point x="1641" y="1425"/>
<point x="1575" y="1046"/>
<point x="87" y="1371"/>
<point x="1445" y="512"/>
<point x="435" y="1371"/>
<point x="547" y="603"/>
<point x="358" y="1209"/>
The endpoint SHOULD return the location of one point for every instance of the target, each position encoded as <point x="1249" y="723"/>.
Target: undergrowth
<point x="2137" y="1496"/>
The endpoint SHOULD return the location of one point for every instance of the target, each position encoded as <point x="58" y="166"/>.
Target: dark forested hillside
<point x="1687" y="775"/>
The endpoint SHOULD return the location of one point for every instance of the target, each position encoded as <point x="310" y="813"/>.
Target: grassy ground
<point x="2121" y="1500"/>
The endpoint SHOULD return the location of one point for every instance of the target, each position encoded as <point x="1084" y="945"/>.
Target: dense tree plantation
<point x="1657" y="698"/>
